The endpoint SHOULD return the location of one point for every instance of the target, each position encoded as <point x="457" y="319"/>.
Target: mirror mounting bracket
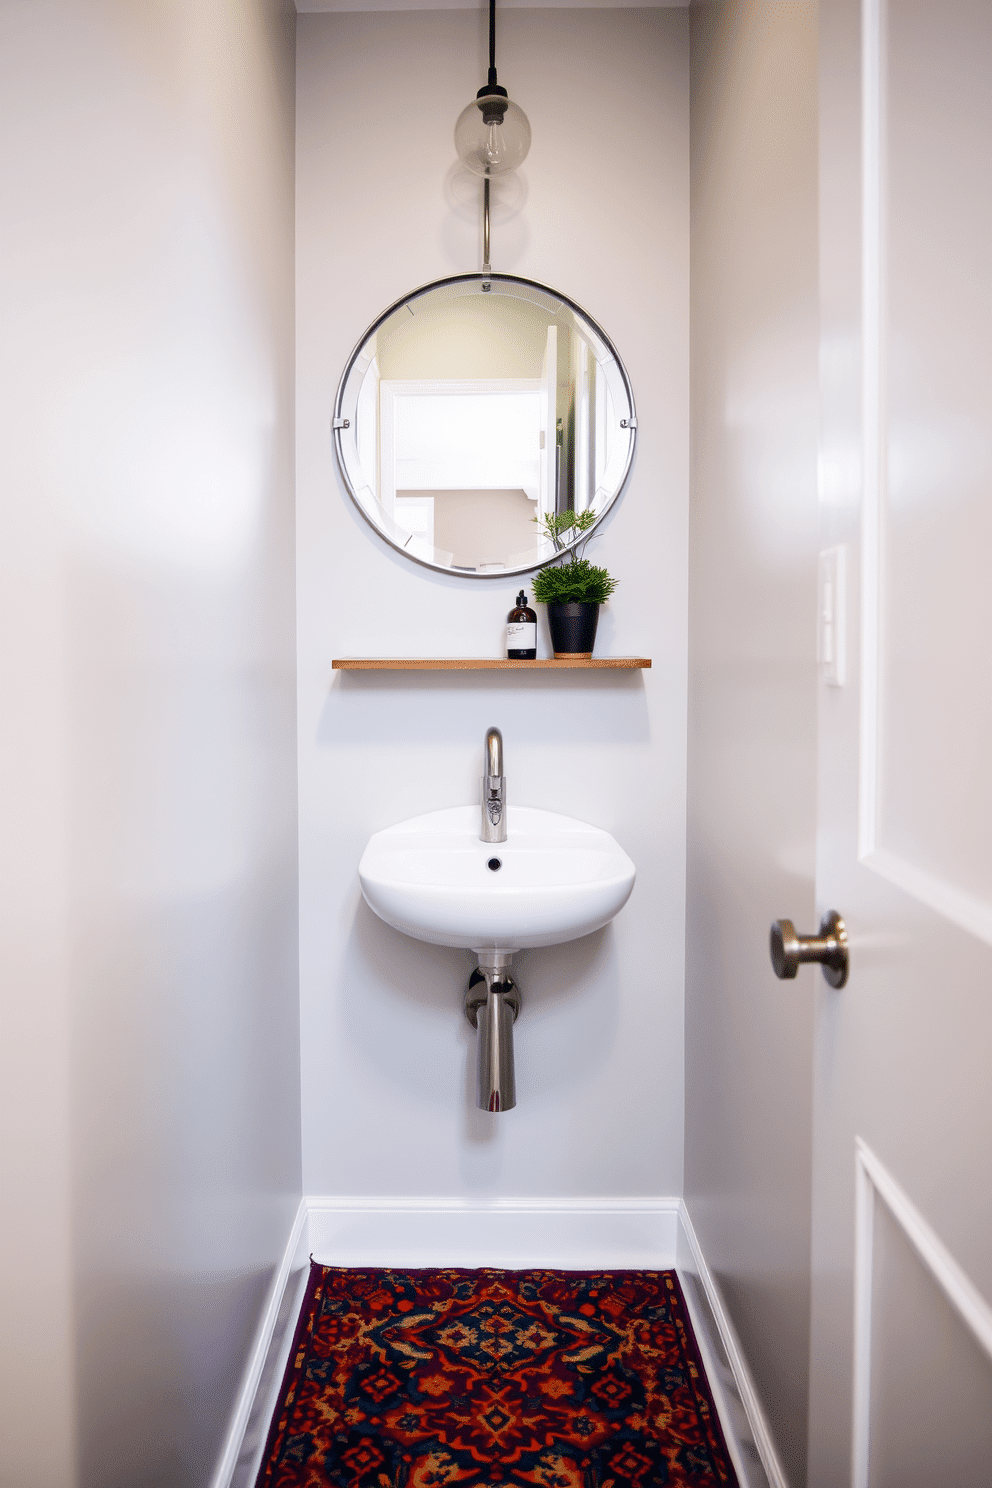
<point x="486" y="265"/>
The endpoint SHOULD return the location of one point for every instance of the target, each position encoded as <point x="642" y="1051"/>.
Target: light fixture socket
<point x="494" y="102"/>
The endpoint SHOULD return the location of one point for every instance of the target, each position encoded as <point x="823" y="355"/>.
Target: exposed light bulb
<point x="492" y="135"/>
<point x="495" y="149"/>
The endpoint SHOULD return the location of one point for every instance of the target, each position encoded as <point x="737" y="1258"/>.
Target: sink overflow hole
<point x="494" y="864"/>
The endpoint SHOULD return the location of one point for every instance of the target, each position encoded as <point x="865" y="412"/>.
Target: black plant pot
<point x="573" y="628"/>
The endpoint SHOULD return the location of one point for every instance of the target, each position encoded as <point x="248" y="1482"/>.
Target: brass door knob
<point x="789" y="951"/>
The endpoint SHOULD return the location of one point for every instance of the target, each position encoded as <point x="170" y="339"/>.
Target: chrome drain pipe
<point x="492" y="1003"/>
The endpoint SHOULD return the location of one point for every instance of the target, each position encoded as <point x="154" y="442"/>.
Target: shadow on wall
<point x="563" y="988"/>
<point x="165" y="1329"/>
<point x="574" y="705"/>
<point x="463" y="198"/>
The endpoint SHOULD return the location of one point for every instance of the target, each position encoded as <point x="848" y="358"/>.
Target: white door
<point x="901" y="1378"/>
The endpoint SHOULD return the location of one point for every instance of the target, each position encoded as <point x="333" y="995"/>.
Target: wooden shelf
<point x="482" y="664"/>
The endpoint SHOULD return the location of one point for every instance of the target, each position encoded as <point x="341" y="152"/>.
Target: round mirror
<point x="472" y="409"/>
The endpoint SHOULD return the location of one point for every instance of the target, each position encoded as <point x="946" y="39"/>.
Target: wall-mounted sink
<point x="552" y="880"/>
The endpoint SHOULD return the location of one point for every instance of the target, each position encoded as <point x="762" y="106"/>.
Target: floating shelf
<point x="482" y="664"/>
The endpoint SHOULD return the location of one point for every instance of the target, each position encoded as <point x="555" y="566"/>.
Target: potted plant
<point x="573" y="590"/>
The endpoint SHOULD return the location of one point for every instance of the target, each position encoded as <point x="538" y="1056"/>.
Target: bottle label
<point x="521" y="635"/>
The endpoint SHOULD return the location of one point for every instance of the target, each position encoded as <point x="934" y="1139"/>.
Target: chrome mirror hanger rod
<point x="487" y="267"/>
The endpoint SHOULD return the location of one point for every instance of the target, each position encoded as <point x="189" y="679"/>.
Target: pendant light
<point x="492" y="135"/>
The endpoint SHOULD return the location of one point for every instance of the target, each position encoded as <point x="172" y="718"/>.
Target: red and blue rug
<point x="457" y="1379"/>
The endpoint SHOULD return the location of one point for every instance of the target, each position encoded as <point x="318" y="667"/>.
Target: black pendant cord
<point x="491" y="87"/>
<point x="485" y="185"/>
<point x="492" y="43"/>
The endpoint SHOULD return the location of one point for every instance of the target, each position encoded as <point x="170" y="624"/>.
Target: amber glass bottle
<point x="521" y="631"/>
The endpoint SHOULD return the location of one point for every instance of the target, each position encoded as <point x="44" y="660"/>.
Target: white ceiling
<point x="315" y="6"/>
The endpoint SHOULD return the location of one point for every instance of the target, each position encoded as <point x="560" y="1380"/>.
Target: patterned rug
<point x="431" y="1379"/>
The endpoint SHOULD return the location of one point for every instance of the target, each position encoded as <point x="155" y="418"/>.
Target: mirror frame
<point x="341" y="427"/>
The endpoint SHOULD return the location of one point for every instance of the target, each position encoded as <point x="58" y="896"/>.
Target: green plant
<point x="557" y="526"/>
<point x="576" y="581"/>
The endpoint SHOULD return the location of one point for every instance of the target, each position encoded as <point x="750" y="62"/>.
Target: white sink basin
<point x="558" y="879"/>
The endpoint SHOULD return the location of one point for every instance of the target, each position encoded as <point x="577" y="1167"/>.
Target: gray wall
<point x="149" y="1086"/>
<point x="387" y="1053"/>
<point x="752" y="681"/>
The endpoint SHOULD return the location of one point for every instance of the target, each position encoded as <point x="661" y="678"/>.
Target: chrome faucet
<point x="493" y="789"/>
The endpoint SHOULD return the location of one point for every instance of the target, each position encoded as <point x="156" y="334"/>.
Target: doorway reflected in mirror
<point x="474" y="408"/>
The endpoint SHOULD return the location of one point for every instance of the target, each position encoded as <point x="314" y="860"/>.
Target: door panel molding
<point x="873" y="1181"/>
<point x="964" y="910"/>
<point x="967" y="911"/>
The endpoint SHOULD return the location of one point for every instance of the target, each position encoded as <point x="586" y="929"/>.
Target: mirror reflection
<point x="471" y="408"/>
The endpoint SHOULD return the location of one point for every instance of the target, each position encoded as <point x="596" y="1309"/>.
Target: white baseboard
<point x="244" y="1444"/>
<point x="567" y="1234"/>
<point x="649" y="1234"/>
<point x="749" y="1440"/>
